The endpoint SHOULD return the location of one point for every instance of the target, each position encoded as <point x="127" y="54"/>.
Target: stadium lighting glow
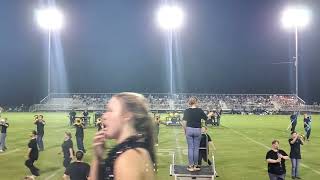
<point x="295" y="17"/>
<point x="170" y="17"/>
<point x="49" y="18"/>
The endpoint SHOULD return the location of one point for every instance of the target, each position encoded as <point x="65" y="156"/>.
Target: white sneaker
<point x="1" y="150"/>
<point x="156" y="145"/>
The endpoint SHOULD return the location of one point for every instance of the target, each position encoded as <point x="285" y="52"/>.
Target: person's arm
<point x="98" y="151"/>
<point x="71" y="153"/>
<point x="294" y="140"/>
<point x="66" y="177"/>
<point x="28" y="152"/>
<point x="274" y="161"/>
<point x="283" y="155"/>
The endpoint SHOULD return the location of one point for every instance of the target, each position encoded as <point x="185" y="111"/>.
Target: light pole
<point x="170" y="19"/>
<point x="296" y="17"/>
<point x="50" y="19"/>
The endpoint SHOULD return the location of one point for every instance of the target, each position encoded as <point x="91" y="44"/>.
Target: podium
<point x="180" y="172"/>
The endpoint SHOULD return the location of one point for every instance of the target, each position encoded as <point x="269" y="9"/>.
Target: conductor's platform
<point x="181" y="173"/>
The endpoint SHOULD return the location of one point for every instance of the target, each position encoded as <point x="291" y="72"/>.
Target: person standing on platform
<point x="192" y="128"/>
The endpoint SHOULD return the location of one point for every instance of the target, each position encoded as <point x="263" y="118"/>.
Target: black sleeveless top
<point x="107" y="166"/>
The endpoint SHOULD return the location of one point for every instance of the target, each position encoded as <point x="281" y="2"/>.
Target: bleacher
<point x="178" y="102"/>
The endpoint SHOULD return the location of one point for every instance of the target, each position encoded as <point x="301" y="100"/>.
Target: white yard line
<point x="263" y="145"/>
<point x="53" y="174"/>
<point x="9" y="151"/>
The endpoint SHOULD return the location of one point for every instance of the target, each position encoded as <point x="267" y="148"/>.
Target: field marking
<point x="9" y="152"/>
<point x="263" y="145"/>
<point x="53" y="174"/>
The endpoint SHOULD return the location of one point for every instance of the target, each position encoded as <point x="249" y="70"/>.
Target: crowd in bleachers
<point x="179" y="101"/>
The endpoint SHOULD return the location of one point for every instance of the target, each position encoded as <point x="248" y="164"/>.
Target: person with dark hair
<point x="77" y="170"/>
<point x="67" y="149"/>
<point x="295" y="155"/>
<point x="293" y="121"/>
<point x="99" y="124"/>
<point x="205" y="144"/>
<point x="307" y="125"/>
<point x="72" y="116"/>
<point x="80" y="134"/>
<point x="192" y="128"/>
<point x="157" y="129"/>
<point x="40" y="130"/>
<point x="276" y="162"/>
<point x="85" y="114"/>
<point x="126" y="120"/>
<point x="33" y="154"/>
<point x="4" y="125"/>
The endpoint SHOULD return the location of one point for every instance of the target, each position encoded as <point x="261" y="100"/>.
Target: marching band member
<point x="79" y="134"/>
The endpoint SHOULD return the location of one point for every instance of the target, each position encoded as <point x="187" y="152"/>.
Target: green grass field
<point x="241" y="142"/>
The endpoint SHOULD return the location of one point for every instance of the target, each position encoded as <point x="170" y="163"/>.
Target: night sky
<point x="225" y="46"/>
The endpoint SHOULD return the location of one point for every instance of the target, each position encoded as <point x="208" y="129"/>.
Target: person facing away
<point x="40" y="123"/>
<point x="295" y="155"/>
<point x="192" y="128"/>
<point x="126" y="120"/>
<point x="276" y="162"/>
<point x="77" y="170"/>
<point x="32" y="154"/>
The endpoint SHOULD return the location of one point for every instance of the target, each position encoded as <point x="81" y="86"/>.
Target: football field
<point x="241" y="145"/>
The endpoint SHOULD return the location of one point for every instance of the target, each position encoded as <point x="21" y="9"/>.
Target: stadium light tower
<point x="51" y="20"/>
<point x="296" y="17"/>
<point x="170" y="18"/>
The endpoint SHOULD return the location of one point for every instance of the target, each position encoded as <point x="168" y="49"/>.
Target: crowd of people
<point x="128" y="122"/>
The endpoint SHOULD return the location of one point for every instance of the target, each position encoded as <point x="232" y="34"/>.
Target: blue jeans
<point x="295" y="167"/>
<point x="193" y="139"/>
<point x="3" y="141"/>
<point x="40" y="141"/>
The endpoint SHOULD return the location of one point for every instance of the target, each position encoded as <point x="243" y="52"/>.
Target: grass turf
<point x="241" y="142"/>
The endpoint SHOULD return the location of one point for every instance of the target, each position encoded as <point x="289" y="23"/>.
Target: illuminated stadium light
<point x="49" y="18"/>
<point x="170" y="17"/>
<point x="295" y="17"/>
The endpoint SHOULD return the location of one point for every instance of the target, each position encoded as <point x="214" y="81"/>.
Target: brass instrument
<point x="301" y="136"/>
<point x="79" y="122"/>
<point x="98" y="121"/>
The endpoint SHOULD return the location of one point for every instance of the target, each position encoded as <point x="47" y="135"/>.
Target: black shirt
<point x="276" y="168"/>
<point x="295" y="149"/>
<point x="85" y="114"/>
<point x="205" y="139"/>
<point x="66" y="145"/>
<point x="40" y="127"/>
<point x="193" y="117"/>
<point x="4" y="127"/>
<point x="78" y="171"/>
<point x="34" y="153"/>
<point x="79" y="130"/>
<point x="72" y="114"/>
